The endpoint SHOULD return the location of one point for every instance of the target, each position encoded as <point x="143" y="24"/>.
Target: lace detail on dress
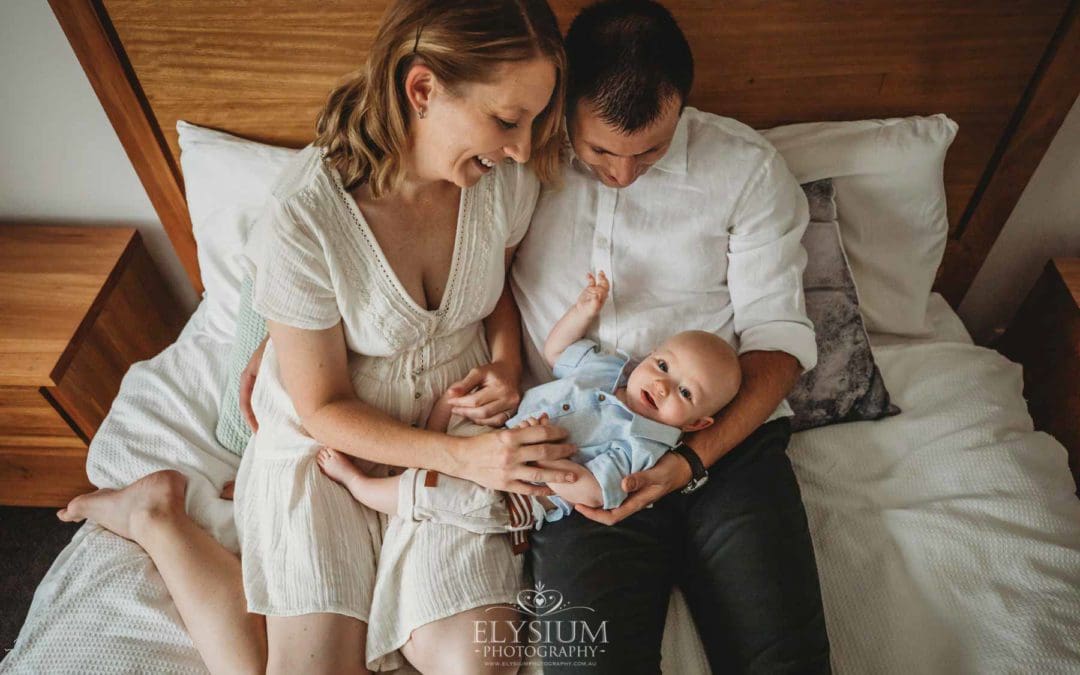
<point x="375" y="304"/>
<point x="488" y="217"/>
<point x="476" y="247"/>
<point x="373" y="246"/>
<point x="462" y="244"/>
<point x="360" y="284"/>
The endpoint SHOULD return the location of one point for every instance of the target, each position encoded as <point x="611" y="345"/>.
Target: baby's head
<point x="685" y="381"/>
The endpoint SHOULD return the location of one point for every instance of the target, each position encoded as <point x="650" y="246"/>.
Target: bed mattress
<point x="947" y="538"/>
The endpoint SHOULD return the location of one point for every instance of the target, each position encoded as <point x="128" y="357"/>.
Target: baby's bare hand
<point x="594" y="296"/>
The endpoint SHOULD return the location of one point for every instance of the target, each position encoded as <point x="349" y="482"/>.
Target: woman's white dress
<point x="306" y="545"/>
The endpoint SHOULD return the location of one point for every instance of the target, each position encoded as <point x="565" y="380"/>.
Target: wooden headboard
<point x="1006" y="70"/>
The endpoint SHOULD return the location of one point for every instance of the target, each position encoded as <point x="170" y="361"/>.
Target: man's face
<point x="618" y="159"/>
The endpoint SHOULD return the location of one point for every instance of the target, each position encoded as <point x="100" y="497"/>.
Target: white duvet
<point x="947" y="538"/>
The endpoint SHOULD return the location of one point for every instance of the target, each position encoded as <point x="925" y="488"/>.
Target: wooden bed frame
<point x="1007" y="71"/>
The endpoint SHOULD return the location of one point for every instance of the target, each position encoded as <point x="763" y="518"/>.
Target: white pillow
<point x="890" y="199"/>
<point x="227" y="181"/>
<point x="890" y="195"/>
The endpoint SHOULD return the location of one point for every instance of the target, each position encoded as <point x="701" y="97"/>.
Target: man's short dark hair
<point x="627" y="58"/>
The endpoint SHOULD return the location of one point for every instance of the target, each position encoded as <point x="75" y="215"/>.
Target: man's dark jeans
<point x="740" y="550"/>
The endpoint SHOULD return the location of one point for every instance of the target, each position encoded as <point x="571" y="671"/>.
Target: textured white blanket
<point x="947" y="538"/>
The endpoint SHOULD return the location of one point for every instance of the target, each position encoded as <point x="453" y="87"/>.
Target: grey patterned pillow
<point x="846" y="385"/>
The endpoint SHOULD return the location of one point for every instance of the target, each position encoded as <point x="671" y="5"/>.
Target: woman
<point x="379" y="266"/>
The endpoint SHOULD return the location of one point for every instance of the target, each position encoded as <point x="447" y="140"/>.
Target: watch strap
<point x="696" y="466"/>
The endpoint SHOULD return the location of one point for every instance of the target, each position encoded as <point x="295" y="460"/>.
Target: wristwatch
<point x="700" y="476"/>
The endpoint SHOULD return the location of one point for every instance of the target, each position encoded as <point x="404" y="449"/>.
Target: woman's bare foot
<point x="125" y="512"/>
<point x="337" y="466"/>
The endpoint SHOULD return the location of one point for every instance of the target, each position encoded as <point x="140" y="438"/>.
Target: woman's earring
<point x="421" y="113"/>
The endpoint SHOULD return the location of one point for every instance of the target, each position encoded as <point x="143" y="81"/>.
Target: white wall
<point x="60" y="160"/>
<point x="1044" y="225"/>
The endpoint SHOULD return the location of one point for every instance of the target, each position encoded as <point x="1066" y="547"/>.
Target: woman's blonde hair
<point x="364" y="126"/>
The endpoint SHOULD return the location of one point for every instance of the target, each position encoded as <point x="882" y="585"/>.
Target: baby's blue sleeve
<point x="588" y="365"/>
<point x="575" y="356"/>
<point x="609" y="468"/>
<point x="618" y="461"/>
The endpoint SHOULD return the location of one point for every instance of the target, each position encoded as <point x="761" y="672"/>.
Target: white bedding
<point x="947" y="538"/>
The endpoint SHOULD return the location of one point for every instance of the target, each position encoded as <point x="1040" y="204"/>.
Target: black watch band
<point x="700" y="476"/>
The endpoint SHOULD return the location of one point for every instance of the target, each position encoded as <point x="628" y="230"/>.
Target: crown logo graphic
<point x="541" y="602"/>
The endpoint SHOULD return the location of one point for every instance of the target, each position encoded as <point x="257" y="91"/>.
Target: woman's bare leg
<point x="205" y="583"/>
<point x="202" y="576"/>
<point x="449" y="645"/>
<point x="316" y="643"/>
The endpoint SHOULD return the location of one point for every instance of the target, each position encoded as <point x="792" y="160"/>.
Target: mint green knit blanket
<point x="232" y="431"/>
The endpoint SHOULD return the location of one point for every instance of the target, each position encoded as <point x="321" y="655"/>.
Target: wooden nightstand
<point x="77" y="307"/>
<point x="1045" y="338"/>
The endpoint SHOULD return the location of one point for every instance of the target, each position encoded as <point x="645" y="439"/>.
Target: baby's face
<point x="685" y="381"/>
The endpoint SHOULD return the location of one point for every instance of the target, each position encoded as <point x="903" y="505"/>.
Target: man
<point x="697" y="222"/>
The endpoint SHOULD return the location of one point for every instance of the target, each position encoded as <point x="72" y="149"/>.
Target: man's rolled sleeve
<point x="766" y="260"/>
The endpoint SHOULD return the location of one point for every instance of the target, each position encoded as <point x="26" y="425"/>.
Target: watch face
<point x="694" y="484"/>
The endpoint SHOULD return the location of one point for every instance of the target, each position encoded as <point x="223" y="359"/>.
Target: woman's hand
<point x="533" y="421"/>
<point x="488" y="395"/>
<point x="247" y="385"/>
<point x="671" y="473"/>
<point x="501" y="459"/>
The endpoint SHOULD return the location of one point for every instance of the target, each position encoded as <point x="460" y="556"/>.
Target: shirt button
<point x="416" y="395"/>
<point x="601" y="242"/>
<point x="602" y="397"/>
<point x="565" y="407"/>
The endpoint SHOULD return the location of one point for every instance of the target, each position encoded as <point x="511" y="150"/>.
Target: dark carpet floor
<point x="30" y="539"/>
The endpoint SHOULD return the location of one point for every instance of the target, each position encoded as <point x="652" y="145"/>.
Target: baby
<point x="621" y="424"/>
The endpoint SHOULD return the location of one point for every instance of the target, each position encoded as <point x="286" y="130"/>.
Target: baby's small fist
<point x="595" y="294"/>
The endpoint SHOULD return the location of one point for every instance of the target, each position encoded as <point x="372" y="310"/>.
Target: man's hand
<point x="671" y="473"/>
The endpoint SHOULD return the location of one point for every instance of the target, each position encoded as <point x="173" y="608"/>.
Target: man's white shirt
<point x="709" y="238"/>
